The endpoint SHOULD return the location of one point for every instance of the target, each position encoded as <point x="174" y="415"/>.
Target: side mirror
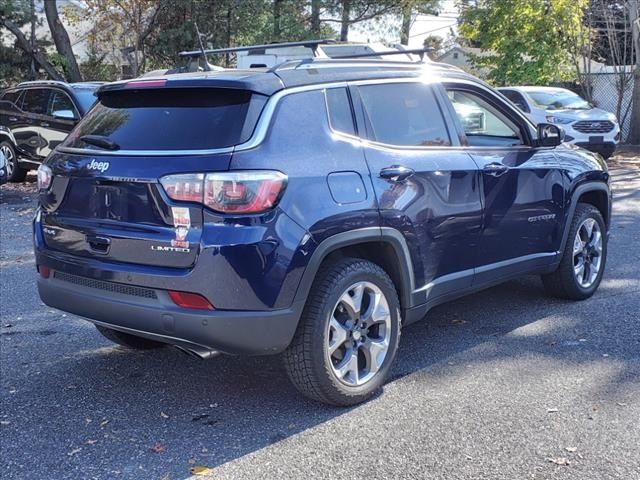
<point x="64" y="114"/>
<point x="549" y="135"/>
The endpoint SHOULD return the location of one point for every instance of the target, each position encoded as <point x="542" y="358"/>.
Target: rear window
<point x="171" y="119"/>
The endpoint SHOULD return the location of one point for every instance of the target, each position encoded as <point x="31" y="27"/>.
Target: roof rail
<point x="312" y="44"/>
<point x="41" y="82"/>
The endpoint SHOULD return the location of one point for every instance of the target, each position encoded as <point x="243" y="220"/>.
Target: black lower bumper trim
<point x="233" y="332"/>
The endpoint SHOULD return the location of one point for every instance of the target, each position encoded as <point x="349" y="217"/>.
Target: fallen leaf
<point x="91" y="442"/>
<point x="104" y="423"/>
<point x="5" y="422"/>
<point x="292" y="426"/>
<point x="192" y="461"/>
<point x="164" y="415"/>
<point x="552" y="410"/>
<point x="621" y="404"/>
<point x="166" y="477"/>
<point x="560" y="461"/>
<point x="74" y="451"/>
<point x="158" y="448"/>
<point x="458" y="321"/>
<point x="200" y="470"/>
<point x="571" y="449"/>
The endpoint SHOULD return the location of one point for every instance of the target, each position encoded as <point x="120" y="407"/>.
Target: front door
<point x="62" y="117"/>
<point x="522" y="188"/>
<point x="35" y="102"/>
<point x="426" y="188"/>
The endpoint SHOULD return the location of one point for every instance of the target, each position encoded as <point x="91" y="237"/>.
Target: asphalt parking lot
<point x="505" y="384"/>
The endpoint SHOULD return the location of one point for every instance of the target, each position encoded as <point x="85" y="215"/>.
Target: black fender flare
<point x="577" y="193"/>
<point x="7" y="135"/>
<point x="349" y="238"/>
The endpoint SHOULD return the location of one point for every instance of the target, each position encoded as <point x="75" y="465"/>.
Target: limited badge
<point x="181" y="217"/>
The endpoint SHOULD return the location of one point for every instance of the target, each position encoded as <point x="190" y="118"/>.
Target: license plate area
<point x="597" y="139"/>
<point x="110" y="202"/>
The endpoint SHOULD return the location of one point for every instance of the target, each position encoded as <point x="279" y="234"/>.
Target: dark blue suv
<point x="309" y="210"/>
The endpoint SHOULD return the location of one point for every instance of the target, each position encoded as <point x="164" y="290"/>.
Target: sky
<point x="422" y="27"/>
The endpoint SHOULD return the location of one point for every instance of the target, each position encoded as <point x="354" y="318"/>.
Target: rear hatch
<point x="105" y="199"/>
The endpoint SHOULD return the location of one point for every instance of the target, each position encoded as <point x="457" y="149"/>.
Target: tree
<point x="122" y="27"/>
<point x="62" y="42"/>
<point x="409" y="9"/>
<point x="527" y="41"/>
<point x="435" y="42"/>
<point x="13" y="15"/>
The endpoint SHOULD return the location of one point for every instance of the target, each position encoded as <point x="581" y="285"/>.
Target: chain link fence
<point x="606" y="91"/>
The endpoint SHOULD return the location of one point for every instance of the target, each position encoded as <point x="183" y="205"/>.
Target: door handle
<point x="13" y="119"/>
<point x="495" y="169"/>
<point x="396" y="173"/>
<point x="44" y="124"/>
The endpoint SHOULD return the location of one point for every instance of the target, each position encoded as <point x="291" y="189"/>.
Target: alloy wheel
<point x="8" y="155"/>
<point x="587" y="253"/>
<point x="358" y="334"/>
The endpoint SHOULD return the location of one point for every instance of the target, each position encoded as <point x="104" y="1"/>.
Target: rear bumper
<point x="233" y="332"/>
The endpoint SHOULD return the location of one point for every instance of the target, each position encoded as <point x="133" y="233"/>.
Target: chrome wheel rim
<point x="358" y="334"/>
<point x="587" y="253"/>
<point x="8" y="156"/>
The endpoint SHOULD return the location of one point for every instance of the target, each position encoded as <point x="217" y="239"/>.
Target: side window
<point x="404" y="114"/>
<point x="60" y="102"/>
<point x="517" y="99"/>
<point x="36" y="100"/>
<point x="339" y="108"/>
<point x="10" y="96"/>
<point x="483" y="124"/>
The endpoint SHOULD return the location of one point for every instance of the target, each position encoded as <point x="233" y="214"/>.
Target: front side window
<point x="483" y="124"/>
<point x="60" y="102"/>
<point x="36" y="100"/>
<point x="10" y="96"/>
<point x="404" y="114"/>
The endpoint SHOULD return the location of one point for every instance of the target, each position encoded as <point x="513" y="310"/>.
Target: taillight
<point x="249" y="191"/>
<point x="45" y="175"/>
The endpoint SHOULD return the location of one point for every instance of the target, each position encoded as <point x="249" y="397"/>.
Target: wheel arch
<point x="593" y="193"/>
<point x="384" y="246"/>
<point x="7" y="135"/>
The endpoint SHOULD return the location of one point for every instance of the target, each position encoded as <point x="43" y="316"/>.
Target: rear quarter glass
<point x="171" y="119"/>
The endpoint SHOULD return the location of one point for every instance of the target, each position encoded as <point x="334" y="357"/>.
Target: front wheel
<point x="15" y="173"/>
<point x="348" y="334"/>
<point x="584" y="257"/>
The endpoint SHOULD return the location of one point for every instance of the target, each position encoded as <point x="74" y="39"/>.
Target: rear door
<point x="110" y="203"/>
<point x="28" y="129"/>
<point x="522" y="186"/>
<point x="426" y="186"/>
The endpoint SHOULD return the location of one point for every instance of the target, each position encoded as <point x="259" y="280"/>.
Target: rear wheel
<point x="584" y="257"/>
<point x="15" y="173"/>
<point x="348" y="334"/>
<point x="129" y="341"/>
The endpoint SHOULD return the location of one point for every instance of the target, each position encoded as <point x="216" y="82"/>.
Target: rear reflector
<point x="44" y="271"/>
<point x="145" y="83"/>
<point x="190" y="300"/>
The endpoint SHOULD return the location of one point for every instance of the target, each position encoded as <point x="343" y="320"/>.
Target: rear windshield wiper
<point x="100" y="141"/>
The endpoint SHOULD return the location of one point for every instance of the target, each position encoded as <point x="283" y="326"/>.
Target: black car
<point x="35" y="117"/>
<point x="312" y="209"/>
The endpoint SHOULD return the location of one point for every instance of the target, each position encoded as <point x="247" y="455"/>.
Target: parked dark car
<point x="35" y="117"/>
<point x="3" y="168"/>
<point x="312" y="210"/>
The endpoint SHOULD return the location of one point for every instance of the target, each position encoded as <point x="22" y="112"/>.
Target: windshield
<point x="86" y="97"/>
<point x="558" y="100"/>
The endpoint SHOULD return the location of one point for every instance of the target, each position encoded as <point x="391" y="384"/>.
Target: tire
<point x="15" y="173"/>
<point x="128" y="341"/>
<point x="566" y="282"/>
<point x="363" y="352"/>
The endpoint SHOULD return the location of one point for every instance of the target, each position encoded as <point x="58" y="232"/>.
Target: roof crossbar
<point x="312" y="44"/>
<point x="415" y="51"/>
